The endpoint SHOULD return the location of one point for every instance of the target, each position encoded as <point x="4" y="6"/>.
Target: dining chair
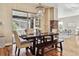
<point x="29" y="31"/>
<point x="20" y="44"/>
<point x="46" y="43"/>
<point x="60" y="42"/>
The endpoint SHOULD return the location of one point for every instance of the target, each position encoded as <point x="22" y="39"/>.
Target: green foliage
<point x="14" y="26"/>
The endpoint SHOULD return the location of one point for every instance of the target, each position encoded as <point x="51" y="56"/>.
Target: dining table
<point x="33" y="39"/>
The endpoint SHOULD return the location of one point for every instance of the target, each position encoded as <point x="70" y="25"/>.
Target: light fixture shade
<point x="40" y="10"/>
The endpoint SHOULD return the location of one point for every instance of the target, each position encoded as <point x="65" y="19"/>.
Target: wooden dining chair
<point x="19" y="44"/>
<point x="46" y="43"/>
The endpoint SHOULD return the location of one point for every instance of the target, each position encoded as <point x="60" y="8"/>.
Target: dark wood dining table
<point x="34" y="37"/>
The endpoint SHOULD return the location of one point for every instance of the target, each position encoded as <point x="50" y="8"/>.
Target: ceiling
<point x="64" y="9"/>
<point x="68" y="6"/>
<point x="43" y="4"/>
<point x="67" y="9"/>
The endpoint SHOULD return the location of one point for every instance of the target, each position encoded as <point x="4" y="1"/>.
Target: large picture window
<point x="22" y="20"/>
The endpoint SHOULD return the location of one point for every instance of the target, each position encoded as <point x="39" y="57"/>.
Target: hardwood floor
<point x="6" y="51"/>
<point x="71" y="48"/>
<point x="53" y="52"/>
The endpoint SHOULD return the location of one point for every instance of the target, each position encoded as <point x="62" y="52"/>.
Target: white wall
<point x="63" y="12"/>
<point x="73" y="21"/>
<point x="6" y="19"/>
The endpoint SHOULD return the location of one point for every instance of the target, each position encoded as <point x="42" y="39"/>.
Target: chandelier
<point x="40" y="10"/>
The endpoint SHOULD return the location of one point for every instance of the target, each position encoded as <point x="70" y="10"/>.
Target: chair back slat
<point x="16" y="39"/>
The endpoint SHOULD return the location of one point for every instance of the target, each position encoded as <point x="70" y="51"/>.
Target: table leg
<point x="52" y="41"/>
<point x="61" y="46"/>
<point x="31" y="49"/>
<point x="34" y="47"/>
